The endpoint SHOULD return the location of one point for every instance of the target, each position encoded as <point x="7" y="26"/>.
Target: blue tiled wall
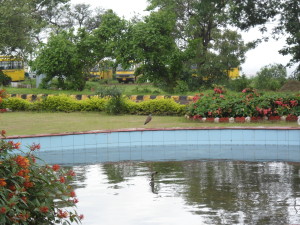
<point x="235" y="144"/>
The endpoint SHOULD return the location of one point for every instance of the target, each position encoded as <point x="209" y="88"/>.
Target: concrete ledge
<point x="153" y="129"/>
<point x="235" y="143"/>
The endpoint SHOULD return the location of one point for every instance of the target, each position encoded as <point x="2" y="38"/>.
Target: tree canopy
<point x="179" y="37"/>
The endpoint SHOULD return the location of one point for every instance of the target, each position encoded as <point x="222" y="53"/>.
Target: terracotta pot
<point x="274" y="118"/>
<point x="240" y="119"/>
<point x="256" y="118"/>
<point x="224" y="120"/>
<point x="291" y="118"/>
<point x="210" y="119"/>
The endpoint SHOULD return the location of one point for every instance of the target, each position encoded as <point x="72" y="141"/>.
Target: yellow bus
<point x="125" y="75"/>
<point x="233" y="73"/>
<point x="12" y="67"/>
<point x="99" y="72"/>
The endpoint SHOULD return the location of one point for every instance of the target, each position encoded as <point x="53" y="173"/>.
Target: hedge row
<point x="64" y="103"/>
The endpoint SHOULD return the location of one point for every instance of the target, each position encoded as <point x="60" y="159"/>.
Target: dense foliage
<point x="176" y="40"/>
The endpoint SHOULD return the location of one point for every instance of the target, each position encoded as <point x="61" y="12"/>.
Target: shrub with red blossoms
<point x="251" y="103"/>
<point x="31" y="193"/>
<point x="219" y="89"/>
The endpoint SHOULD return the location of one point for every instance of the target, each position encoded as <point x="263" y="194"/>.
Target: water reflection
<point x="189" y="192"/>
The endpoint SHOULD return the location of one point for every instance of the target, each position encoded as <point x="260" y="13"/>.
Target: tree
<point x="81" y="13"/>
<point x="249" y="13"/>
<point x="108" y="36"/>
<point x="201" y="31"/>
<point x="290" y="23"/>
<point x="69" y="57"/>
<point x="150" y="44"/>
<point x="94" y="21"/>
<point x="271" y="77"/>
<point x="21" y="22"/>
<point x="62" y="57"/>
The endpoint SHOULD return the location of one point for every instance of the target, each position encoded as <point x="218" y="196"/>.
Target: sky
<point x="264" y="54"/>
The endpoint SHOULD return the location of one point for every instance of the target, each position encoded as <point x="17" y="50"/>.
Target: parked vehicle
<point x="12" y="67"/>
<point x="125" y="75"/>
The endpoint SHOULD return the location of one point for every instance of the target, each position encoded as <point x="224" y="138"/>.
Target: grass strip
<point x="30" y="123"/>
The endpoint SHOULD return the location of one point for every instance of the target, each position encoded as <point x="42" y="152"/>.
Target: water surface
<point x="189" y="192"/>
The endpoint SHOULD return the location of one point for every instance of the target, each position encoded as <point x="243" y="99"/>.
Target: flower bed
<point x="248" y="103"/>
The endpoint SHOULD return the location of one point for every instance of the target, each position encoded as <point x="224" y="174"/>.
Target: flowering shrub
<point x="219" y="89"/>
<point x="210" y="105"/>
<point x="250" y="90"/>
<point x="248" y="103"/>
<point x="31" y="193"/>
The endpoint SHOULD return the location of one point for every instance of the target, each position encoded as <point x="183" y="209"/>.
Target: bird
<point x="148" y="119"/>
<point x="298" y="121"/>
<point x="153" y="174"/>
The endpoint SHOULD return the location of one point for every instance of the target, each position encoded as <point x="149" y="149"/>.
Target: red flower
<point x="24" y="199"/>
<point x="3" y="132"/>
<point x="28" y="184"/>
<point x="34" y="146"/>
<point x="294" y="102"/>
<point x="2" y="210"/>
<point x="75" y="200"/>
<point x="62" y="214"/>
<point x="2" y="182"/>
<point x="17" y="145"/>
<point x="81" y="217"/>
<point x="72" y="194"/>
<point x="12" y="187"/>
<point x="44" y="209"/>
<point x="71" y="173"/>
<point x="22" y="161"/>
<point x="62" y="180"/>
<point x="55" y="167"/>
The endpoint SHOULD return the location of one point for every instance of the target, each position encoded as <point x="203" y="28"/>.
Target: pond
<point x="189" y="192"/>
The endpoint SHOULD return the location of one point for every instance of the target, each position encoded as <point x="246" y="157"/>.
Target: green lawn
<point x="26" y="123"/>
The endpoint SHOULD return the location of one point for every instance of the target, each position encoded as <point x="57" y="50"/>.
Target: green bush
<point x="270" y="77"/>
<point x="16" y="104"/>
<point x="160" y="107"/>
<point x="61" y="103"/>
<point x="116" y="101"/>
<point x="239" y="83"/>
<point x="181" y="87"/>
<point x="92" y="104"/>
